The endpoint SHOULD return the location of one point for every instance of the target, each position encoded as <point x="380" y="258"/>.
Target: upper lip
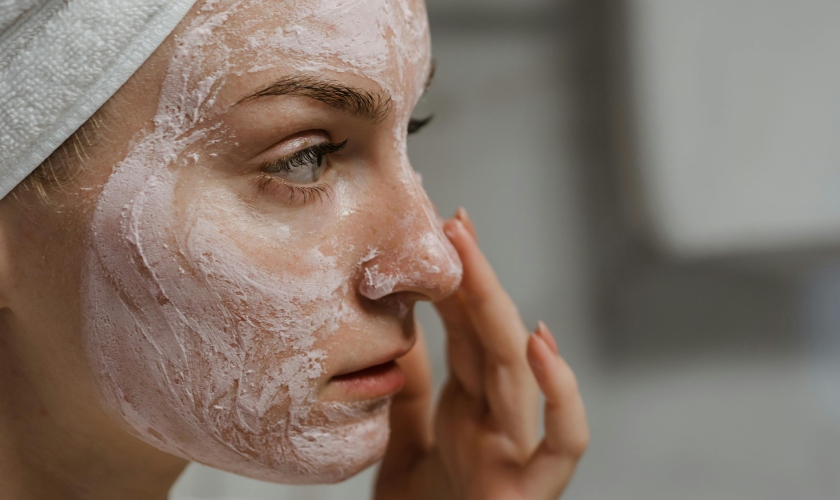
<point x="378" y="361"/>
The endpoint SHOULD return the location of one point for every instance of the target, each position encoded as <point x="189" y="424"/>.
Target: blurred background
<point x="659" y="181"/>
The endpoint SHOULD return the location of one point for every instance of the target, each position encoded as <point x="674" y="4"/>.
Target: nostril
<point x="377" y="284"/>
<point x="420" y="260"/>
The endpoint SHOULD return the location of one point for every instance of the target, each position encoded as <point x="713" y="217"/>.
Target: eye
<point x="415" y="124"/>
<point x="304" y="167"/>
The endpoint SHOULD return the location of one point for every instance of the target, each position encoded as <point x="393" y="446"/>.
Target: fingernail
<point x="548" y="338"/>
<point x="533" y="361"/>
<point x="465" y="216"/>
<point x="461" y="213"/>
<point x="452" y="228"/>
<point x="459" y="226"/>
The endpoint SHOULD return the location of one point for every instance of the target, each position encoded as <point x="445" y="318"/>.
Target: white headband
<point x="60" y="60"/>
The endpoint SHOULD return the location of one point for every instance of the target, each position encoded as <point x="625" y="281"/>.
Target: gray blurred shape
<point x="737" y="114"/>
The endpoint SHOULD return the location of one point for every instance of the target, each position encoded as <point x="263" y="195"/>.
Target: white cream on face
<point x="338" y="36"/>
<point x="205" y="351"/>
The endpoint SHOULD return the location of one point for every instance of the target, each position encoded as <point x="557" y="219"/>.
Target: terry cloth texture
<point x="60" y="60"/>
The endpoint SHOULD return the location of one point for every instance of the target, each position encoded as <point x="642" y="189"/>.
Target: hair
<point x="65" y="163"/>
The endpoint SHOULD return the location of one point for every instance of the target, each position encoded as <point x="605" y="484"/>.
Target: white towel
<point x="60" y="60"/>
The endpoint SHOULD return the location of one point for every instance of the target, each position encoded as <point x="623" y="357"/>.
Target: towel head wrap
<point x="60" y="60"/>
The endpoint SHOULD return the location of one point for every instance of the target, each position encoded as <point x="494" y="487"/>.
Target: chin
<point x="347" y="439"/>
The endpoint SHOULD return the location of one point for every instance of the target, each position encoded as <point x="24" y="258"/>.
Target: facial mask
<point x="207" y="323"/>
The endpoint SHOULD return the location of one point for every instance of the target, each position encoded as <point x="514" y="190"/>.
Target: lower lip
<point x="374" y="382"/>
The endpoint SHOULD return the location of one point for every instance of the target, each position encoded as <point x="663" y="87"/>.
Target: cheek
<point x="205" y="326"/>
<point x="205" y="349"/>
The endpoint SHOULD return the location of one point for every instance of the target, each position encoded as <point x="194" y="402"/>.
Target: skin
<point x="62" y="437"/>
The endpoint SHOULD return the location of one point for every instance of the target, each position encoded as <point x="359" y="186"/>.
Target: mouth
<point x="375" y="381"/>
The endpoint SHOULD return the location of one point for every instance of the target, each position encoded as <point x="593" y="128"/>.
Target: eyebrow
<point x="358" y="102"/>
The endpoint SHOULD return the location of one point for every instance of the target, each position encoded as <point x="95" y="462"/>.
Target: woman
<point x="221" y="263"/>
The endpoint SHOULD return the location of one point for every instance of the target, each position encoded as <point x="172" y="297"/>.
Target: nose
<point x="415" y="255"/>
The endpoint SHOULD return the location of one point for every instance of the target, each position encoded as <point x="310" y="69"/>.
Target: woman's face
<point x="263" y="235"/>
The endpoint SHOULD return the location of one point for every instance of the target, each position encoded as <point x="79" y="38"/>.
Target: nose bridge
<point x="416" y="256"/>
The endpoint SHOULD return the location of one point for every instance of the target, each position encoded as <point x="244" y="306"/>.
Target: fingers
<point x="492" y="313"/>
<point x="410" y="418"/>
<point x="566" y="431"/>
<point x="461" y="214"/>
<point x="463" y="350"/>
<point x="547" y="337"/>
<point x="508" y="385"/>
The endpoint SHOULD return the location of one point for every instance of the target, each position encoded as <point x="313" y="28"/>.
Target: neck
<point x="54" y="445"/>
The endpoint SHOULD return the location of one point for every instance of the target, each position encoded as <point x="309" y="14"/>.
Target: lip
<point x="380" y="378"/>
<point x="373" y="382"/>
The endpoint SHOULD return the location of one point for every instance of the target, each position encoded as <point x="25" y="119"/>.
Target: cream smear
<point x="206" y="352"/>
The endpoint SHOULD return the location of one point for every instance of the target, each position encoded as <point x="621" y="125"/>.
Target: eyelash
<point x="312" y="154"/>
<point x="270" y="184"/>
<point x="416" y="124"/>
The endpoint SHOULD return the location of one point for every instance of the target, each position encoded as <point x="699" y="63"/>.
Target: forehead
<point x="385" y="41"/>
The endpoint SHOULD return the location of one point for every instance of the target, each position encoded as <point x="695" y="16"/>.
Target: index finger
<point x="492" y="312"/>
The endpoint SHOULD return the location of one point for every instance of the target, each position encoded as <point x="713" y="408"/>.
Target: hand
<point x="482" y="443"/>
